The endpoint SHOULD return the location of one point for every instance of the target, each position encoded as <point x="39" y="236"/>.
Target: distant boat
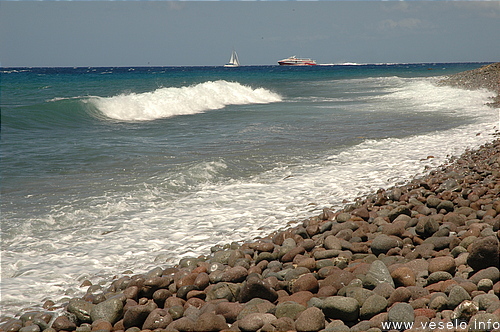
<point x="233" y="61"/>
<point x="294" y="61"/>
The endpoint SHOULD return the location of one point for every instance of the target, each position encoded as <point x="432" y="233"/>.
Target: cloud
<point x="406" y="23"/>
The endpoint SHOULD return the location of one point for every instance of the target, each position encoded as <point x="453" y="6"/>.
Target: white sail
<point x="233" y="61"/>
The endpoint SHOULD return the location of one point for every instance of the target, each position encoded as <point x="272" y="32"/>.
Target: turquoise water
<point x="109" y="169"/>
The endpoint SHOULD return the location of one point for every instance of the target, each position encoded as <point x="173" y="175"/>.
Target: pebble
<point x="311" y="319"/>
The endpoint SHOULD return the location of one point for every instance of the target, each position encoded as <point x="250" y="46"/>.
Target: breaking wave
<point x="168" y="102"/>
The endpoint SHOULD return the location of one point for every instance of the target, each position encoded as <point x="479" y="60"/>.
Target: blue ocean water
<point x="112" y="169"/>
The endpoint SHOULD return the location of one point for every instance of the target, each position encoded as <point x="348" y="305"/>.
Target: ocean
<point x="112" y="170"/>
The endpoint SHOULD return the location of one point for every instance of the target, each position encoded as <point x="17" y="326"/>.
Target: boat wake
<point x="168" y="102"/>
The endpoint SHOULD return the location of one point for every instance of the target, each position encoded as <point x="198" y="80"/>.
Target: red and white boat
<point x="294" y="61"/>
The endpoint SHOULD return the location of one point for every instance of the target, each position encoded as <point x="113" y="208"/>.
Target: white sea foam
<point x="168" y="102"/>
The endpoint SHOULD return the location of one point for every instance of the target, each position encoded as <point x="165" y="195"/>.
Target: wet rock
<point x="136" y="315"/>
<point x="81" y="309"/>
<point x="157" y="319"/>
<point x="63" y="323"/>
<point x="110" y="310"/>
<point x="311" y="319"/>
<point x="235" y="274"/>
<point x="222" y="290"/>
<point x="255" y="287"/>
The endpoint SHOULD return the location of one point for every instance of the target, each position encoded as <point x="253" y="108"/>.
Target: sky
<point x="194" y="33"/>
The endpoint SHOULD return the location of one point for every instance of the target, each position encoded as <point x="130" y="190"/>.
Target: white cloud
<point x="406" y="23"/>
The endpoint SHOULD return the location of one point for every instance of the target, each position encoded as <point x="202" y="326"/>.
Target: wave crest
<point x="168" y="102"/>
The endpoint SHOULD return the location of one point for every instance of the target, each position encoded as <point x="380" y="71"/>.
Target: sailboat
<point x="233" y="61"/>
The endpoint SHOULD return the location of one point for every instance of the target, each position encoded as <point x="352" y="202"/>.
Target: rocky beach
<point x="423" y="256"/>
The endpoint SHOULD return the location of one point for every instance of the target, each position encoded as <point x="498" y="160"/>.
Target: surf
<point x="174" y="101"/>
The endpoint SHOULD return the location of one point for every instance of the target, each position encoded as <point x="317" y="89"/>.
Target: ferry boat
<point x="294" y="61"/>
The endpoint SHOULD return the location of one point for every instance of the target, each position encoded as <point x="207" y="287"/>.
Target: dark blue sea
<point x="106" y="170"/>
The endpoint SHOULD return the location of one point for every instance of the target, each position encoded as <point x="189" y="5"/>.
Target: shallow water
<point x="110" y="169"/>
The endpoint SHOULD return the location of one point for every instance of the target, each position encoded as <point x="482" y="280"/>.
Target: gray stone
<point x="402" y="209"/>
<point x="457" y="295"/>
<point x="491" y="273"/>
<point x="289" y="309"/>
<point x="223" y="290"/>
<point x="312" y="319"/>
<point x="438" y="276"/>
<point x="485" y="300"/>
<point x="401" y="312"/>
<point x="446" y="205"/>
<point x="382" y="243"/>
<point x="372" y="306"/>
<point x="110" y="310"/>
<point x="30" y="328"/>
<point x="377" y="274"/>
<point x="81" y="309"/>
<point x="332" y="242"/>
<point x="343" y="217"/>
<point x="485" y="285"/>
<point x="344" y="308"/>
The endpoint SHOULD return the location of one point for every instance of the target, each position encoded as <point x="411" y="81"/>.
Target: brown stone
<point x="299" y="297"/>
<point x="429" y="313"/>
<point x="157" y="319"/>
<point x="306" y="282"/>
<point x="234" y="274"/>
<point x="445" y="263"/>
<point x="210" y="322"/>
<point x="288" y="257"/>
<point x="403" y="276"/>
<point x="102" y="324"/>
<point x="62" y="323"/>
<point x="309" y="263"/>
<point x="400" y="294"/>
<point x="230" y="310"/>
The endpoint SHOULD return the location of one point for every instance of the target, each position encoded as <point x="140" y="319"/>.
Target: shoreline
<point x="293" y="279"/>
